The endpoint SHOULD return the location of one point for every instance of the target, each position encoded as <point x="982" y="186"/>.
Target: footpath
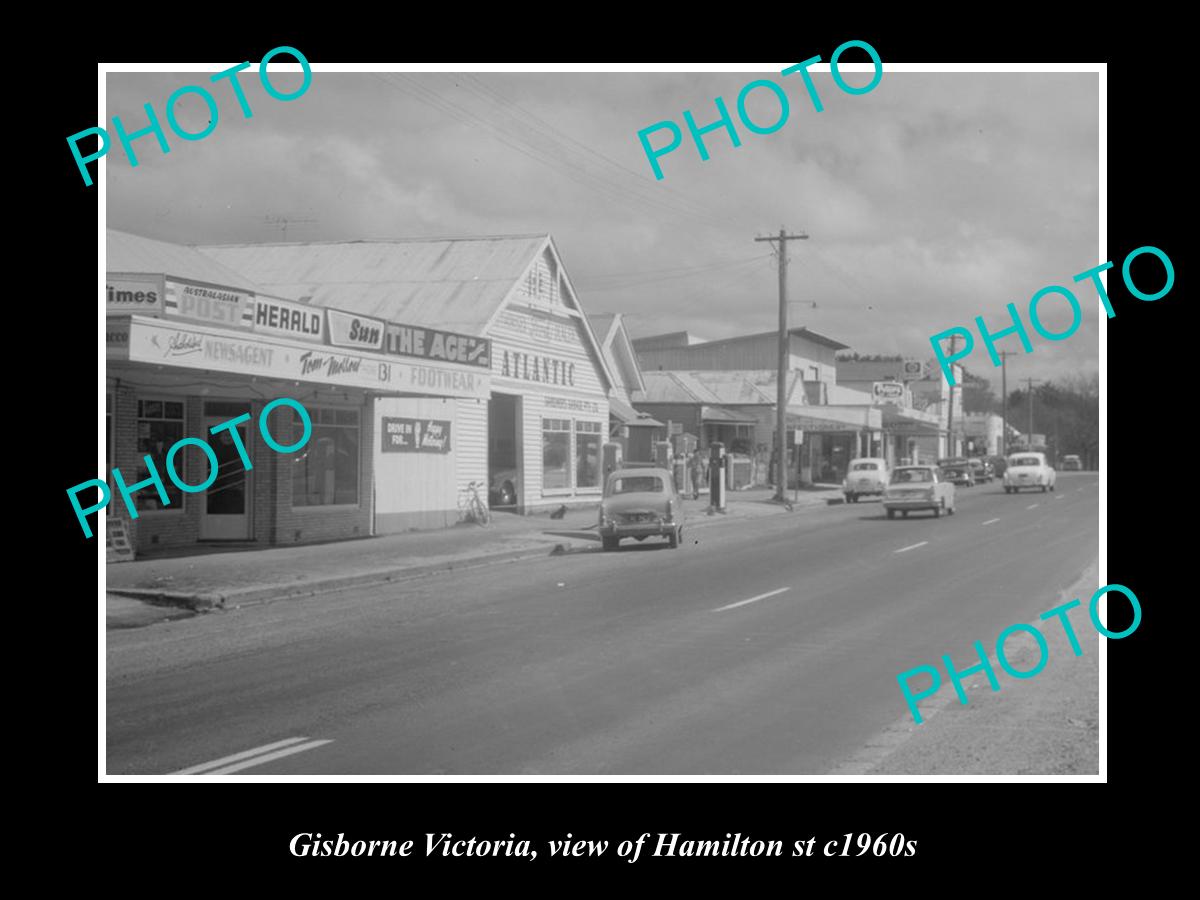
<point x="152" y="589"/>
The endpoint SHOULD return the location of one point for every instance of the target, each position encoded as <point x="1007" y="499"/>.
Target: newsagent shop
<point x="537" y="441"/>
<point x="192" y="344"/>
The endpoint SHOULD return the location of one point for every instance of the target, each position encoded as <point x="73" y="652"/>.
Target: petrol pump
<point x="716" y="477"/>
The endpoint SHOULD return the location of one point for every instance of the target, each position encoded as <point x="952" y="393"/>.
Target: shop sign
<point x="128" y="296"/>
<point x="227" y="307"/>
<point x="415" y="435"/>
<point x="429" y="343"/>
<point x="295" y="320"/>
<point x="173" y="344"/>
<point x="347" y="330"/>
<point x="587" y="406"/>
<point x="532" y="367"/>
<point x="116" y="337"/>
<point x="887" y="391"/>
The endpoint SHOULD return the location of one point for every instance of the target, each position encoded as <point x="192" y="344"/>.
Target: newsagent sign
<point x="187" y="346"/>
<point x="415" y="435"/>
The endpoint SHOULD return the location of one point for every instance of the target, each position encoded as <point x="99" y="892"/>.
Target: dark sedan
<point x="957" y="470"/>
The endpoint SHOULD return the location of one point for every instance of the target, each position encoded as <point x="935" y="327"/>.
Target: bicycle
<point x="472" y="506"/>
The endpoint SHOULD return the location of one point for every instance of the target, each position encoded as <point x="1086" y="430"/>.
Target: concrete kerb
<point x="208" y="601"/>
<point x="237" y="597"/>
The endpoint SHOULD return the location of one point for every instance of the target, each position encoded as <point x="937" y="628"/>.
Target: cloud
<point x="934" y="199"/>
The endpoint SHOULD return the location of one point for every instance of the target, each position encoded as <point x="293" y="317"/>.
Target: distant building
<point x="635" y="431"/>
<point x="725" y="390"/>
<point x="915" y="421"/>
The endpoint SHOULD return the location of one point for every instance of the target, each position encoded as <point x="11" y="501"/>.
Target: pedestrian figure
<point x="697" y="469"/>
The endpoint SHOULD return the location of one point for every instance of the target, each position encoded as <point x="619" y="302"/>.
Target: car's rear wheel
<point x="673" y="538"/>
<point x="611" y="543"/>
<point x="891" y="513"/>
<point x="937" y="510"/>
<point x="1043" y="489"/>
<point x="904" y="513"/>
<point x="1051" y="487"/>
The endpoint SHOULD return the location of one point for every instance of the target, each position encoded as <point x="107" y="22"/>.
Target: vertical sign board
<point x="117" y="540"/>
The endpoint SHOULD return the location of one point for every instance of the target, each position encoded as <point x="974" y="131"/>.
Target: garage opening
<point x="504" y="452"/>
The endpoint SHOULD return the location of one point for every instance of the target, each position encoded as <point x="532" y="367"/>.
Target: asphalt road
<point x="765" y="646"/>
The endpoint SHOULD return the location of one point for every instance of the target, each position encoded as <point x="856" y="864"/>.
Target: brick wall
<point x="310" y="524"/>
<point x="273" y="520"/>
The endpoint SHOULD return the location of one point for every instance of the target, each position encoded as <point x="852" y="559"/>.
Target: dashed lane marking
<point x="751" y="600"/>
<point x="911" y="547"/>
<point x="1059" y="497"/>
<point x="247" y="758"/>
<point x="990" y="521"/>
<point x="1032" y="506"/>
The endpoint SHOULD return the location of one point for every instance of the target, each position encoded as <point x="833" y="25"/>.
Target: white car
<point x="867" y="476"/>
<point x="1028" y="470"/>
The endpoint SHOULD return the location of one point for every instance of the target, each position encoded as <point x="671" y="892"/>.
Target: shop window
<point x="325" y="470"/>
<point x="159" y="426"/>
<point x="587" y="454"/>
<point x="556" y="454"/>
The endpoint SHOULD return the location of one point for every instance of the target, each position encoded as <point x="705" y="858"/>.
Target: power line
<point x="544" y="154"/>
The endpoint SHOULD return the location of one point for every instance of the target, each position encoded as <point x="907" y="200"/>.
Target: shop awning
<point x="627" y="415"/>
<point x="718" y="415"/>
<point x="184" y="345"/>
<point x="835" y="418"/>
<point x="911" y="422"/>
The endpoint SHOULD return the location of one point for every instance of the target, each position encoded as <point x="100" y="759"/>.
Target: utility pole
<point x="950" y="413"/>
<point x="784" y="353"/>
<point x="1004" y="354"/>
<point x="1031" y="382"/>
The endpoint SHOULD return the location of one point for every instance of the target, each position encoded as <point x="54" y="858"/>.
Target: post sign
<point x="415" y="435"/>
<point x="227" y="307"/>
<point x="887" y="391"/>
<point x="350" y="330"/>
<point x="912" y="369"/>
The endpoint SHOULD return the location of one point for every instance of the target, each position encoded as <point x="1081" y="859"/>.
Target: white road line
<point x="266" y="748"/>
<point x="990" y="521"/>
<point x="1032" y="506"/>
<point x="913" y="547"/>
<point x="259" y="760"/>
<point x="751" y="600"/>
<point x="1059" y="497"/>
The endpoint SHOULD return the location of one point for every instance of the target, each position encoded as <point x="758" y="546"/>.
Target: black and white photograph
<point x="550" y="421"/>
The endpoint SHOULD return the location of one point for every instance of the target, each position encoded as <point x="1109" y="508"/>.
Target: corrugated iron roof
<point x="133" y="253"/>
<point x="451" y="283"/>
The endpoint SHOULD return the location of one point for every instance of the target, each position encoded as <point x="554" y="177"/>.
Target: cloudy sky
<point x="931" y="200"/>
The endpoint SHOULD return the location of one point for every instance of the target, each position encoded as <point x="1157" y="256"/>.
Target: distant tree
<point x="1067" y="411"/>
<point x="977" y="396"/>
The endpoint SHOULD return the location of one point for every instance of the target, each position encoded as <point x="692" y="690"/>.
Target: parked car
<point x="958" y="470"/>
<point x="982" y="469"/>
<point x="640" y="503"/>
<point x="865" y="477"/>
<point x="1072" y="463"/>
<point x="918" y="487"/>
<point x="1028" y="469"/>
<point x="503" y="488"/>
